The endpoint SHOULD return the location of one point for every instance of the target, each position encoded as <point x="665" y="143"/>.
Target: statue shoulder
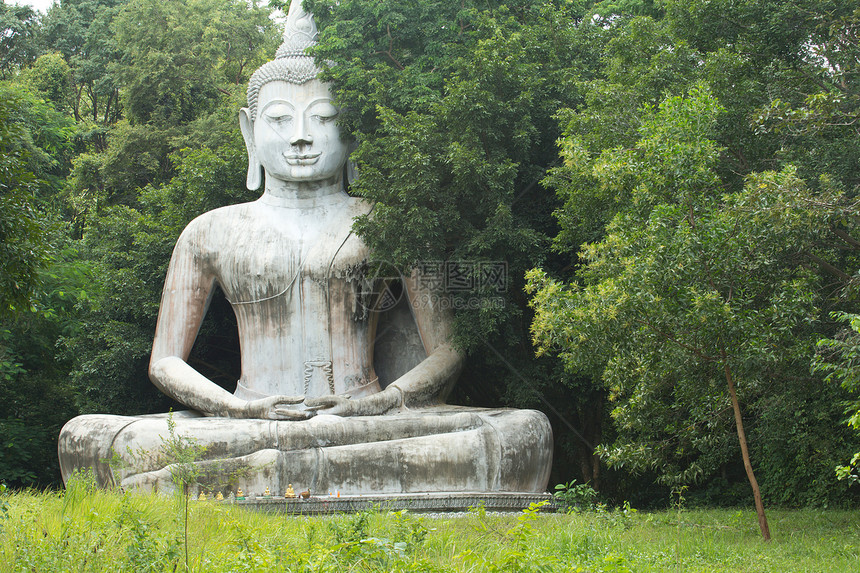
<point x="213" y="228"/>
<point x="361" y="206"/>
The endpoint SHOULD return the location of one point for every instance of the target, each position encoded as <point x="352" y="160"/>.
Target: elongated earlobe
<point x="246" y="124"/>
<point x="351" y="170"/>
<point x="255" y="173"/>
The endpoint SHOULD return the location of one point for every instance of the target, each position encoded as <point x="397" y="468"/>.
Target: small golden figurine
<point x="267" y="493"/>
<point x="219" y="497"/>
<point x="290" y="493"/>
<point x="201" y="497"/>
<point x="239" y="494"/>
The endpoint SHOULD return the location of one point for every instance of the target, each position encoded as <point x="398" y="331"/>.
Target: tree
<point x="173" y="69"/>
<point x="80" y="30"/>
<point x="34" y="145"/>
<point x="36" y="398"/>
<point x="19" y="38"/>
<point x="51" y="76"/>
<point x="22" y="247"/>
<point x="748" y="54"/>
<point x="39" y="286"/>
<point x="693" y="300"/>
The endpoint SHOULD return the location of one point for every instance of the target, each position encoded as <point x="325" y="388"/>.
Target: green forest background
<point x="673" y="185"/>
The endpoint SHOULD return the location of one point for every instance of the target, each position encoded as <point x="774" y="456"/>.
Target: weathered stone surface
<point x="334" y="393"/>
<point x="444" y="448"/>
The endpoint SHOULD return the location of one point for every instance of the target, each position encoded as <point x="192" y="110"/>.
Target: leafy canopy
<point x="687" y="282"/>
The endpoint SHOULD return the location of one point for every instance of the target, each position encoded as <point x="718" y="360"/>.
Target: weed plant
<point x="574" y="496"/>
<point x="86" y="529"/>
<point x="4" y="505"/>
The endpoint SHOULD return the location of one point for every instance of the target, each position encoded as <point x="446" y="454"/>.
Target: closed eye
<point x="324" y="118"/>
<point x="279" y="113"/>
<point x="323" y="111"/>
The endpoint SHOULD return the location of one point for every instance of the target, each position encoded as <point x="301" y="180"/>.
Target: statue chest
<point x="298" y="293"/>
<point x="263" y="254"/>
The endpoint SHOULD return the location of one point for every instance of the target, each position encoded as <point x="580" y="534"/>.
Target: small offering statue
<point x="309" y="401"/>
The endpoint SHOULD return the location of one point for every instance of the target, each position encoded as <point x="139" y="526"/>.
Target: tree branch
<point x="827" y="267"/>
<point x="847" y="238"/>
<point x="388" y="51"/>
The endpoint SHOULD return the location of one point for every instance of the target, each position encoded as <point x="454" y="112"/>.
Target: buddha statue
<point x="310" y="402"/>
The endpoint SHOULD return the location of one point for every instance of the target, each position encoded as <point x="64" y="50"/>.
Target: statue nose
<point x="300" y="134"/>
<point x="304" y="139"/>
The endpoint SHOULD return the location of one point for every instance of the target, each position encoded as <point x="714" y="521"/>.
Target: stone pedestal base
<point x="412" y="502"/>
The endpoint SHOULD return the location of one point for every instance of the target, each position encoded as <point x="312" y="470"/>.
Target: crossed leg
<point x="435" y="449"/>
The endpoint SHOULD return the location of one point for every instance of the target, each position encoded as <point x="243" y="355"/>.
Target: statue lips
<point x="302" y="158"/>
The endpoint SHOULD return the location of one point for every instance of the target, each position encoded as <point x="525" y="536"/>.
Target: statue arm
<point x="184" y="301"/>
<point x="431" y="380"/>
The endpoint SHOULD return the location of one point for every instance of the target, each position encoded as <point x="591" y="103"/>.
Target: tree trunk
<point x="107" y="109"/>
<point x="742" y="438"/>
<point x="78" y="91"/>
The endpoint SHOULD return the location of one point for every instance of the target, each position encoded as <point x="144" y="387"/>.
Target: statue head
<point x="290" y="126"/>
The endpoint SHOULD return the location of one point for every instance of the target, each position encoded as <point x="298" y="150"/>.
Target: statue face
<point x="296" y="136"/>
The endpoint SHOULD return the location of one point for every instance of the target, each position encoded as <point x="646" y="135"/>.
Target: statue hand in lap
<point x="275" y="408"/>
<point x="342" y="405"/>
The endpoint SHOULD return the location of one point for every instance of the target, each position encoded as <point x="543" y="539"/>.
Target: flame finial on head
<point x="300" y="32"/>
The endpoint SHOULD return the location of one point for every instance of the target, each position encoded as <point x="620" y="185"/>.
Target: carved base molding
<point x="413" y="502"/>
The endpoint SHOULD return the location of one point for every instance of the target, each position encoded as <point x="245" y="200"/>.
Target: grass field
<point x="88" y="530"/>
